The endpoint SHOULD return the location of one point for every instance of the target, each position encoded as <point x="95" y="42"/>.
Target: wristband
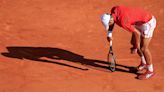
<point x="109" y="34"/>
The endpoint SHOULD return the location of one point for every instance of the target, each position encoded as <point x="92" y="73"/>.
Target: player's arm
<point x="126" y="25"/>
<point x="109" y="33"/>
<point x="137" y="36"/>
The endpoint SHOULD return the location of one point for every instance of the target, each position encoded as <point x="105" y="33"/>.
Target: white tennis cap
<point x="105" y="18"/>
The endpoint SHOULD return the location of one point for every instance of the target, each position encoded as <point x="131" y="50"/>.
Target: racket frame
<point x="112" y="64"/>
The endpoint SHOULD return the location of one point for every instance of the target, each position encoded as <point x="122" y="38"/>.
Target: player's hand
<point x="109" y="39"/>
<point x="133" y="50"/>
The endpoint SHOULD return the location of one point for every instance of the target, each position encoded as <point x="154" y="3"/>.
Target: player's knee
<point x="143" y="49"/>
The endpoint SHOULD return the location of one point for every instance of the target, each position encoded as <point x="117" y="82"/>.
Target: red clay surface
<point x="60" y="46"/>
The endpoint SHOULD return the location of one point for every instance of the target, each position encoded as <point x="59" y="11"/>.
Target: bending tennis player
<point x="141" y="24"/>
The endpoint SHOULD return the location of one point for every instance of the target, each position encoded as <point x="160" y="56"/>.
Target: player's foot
<point x="146" y="75"/>
<point x="141" y="67"/>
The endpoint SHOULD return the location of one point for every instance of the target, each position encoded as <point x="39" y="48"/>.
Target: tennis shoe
<point x="147" y="75"/>
<point x="141" y="67"/>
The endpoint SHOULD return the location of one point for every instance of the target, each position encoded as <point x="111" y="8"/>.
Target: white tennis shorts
<point x="147" y="29"/>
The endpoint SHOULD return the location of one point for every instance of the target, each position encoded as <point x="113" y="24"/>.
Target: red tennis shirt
<point x="127" y="17"/>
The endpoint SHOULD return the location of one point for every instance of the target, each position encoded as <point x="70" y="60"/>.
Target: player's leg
<point x="148" y="57"/>
<point x="143" y="64"/>
<point x="145" y="41"/>
<point x="146" y="51"/>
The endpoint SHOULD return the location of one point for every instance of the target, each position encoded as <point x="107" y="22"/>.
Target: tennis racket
<point x="111" y="58"/>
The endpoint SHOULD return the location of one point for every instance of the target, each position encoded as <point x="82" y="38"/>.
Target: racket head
<point x="112" y="61"/>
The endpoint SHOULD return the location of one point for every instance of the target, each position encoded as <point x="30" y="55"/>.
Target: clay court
<point x="61" y="46"/>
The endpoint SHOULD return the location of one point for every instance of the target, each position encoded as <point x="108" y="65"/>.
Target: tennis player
<point x="141" y="24"/>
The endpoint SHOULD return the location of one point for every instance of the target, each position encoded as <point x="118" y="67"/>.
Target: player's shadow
<point x="54" y="56"/>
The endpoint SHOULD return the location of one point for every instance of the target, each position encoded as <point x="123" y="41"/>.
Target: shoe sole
<point x="146" y="78"/>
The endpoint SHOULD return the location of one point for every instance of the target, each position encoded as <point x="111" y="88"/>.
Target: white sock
<point x="150" y="67"/>
<point x="143" y="60"/>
